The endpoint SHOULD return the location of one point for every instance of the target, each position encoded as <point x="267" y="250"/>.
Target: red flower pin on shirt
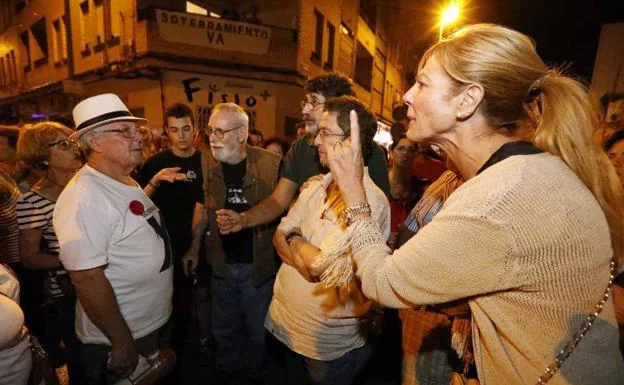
<point x="136" y="207"/>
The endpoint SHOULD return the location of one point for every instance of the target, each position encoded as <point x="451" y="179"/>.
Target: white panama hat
<point x="99" y="110"/>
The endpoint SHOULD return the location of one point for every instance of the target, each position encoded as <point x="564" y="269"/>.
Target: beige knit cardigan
<point x="527" y="242"/>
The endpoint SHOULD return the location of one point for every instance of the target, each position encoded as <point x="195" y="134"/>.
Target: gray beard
<point x="311" y="129"/>
<point x="231" y="157"/>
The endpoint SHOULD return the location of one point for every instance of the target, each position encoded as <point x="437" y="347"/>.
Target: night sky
<point x="567" y="32"/>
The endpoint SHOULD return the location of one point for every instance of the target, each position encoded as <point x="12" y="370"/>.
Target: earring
<point x="462" y="116"/>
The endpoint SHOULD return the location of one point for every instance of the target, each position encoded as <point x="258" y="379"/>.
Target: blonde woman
<point x="530" y="237"/>
<point x="45" y="146"/>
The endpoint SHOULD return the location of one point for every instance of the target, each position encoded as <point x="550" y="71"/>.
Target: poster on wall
<point x="203" y="92"/>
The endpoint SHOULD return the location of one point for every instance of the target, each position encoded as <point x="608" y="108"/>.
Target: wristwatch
<point x="290" y="236"/>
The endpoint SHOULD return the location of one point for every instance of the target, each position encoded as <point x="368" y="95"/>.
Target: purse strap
<point x="565" y="352"/>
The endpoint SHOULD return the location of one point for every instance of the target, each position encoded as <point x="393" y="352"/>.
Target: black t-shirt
<point x="238" y="247"/>
<point x="176" y="200"/>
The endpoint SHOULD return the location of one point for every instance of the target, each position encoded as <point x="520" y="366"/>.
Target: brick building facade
<point x="154" y="52"/>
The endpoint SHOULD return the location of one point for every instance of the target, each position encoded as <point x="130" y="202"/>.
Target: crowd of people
<point x="231" y="259"/>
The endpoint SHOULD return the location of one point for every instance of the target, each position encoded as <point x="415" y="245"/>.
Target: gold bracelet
<point x="355" y="210"/>
<point x="154" y="185"/>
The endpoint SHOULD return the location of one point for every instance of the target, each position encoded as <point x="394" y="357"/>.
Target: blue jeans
<point x="95" y="357"/>
<point x="301" y="370"/>
<point x="238" y="312"/>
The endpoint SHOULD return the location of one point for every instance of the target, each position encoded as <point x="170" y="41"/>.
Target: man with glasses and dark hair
<point x="236" y="177"/>
<point x="302" y="161"/>
<point x="320" y="324"/>
<point x="114" y="244"/>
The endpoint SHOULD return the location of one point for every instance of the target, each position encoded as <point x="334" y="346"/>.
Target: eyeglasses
<point x="314" y="104"/>
<point x="324" y="134"/>
<point x="62" y="144"/>
<point x="129" y="132"/>
<point x="219" y="133"/>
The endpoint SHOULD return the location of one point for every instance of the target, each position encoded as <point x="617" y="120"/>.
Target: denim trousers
<point x="301" y="370"/>
<point x="238" y="312"/>
<point x="95" y="357"/>
<point x="60" y="325"/>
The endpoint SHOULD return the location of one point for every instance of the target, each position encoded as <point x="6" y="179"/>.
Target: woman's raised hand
<point x="347" y="167"/>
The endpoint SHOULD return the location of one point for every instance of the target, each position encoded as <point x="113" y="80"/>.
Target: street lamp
<point x="449" y="15"/>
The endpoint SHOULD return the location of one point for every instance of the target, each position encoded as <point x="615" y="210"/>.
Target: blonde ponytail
<point x="566" y="128"/>
<point x="506" y="64"/>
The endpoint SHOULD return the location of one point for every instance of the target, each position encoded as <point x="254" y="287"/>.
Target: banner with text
<point x="178" y="27"/>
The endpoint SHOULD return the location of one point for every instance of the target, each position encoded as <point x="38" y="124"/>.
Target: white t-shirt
<point x="310" y="319"/>
<point x="96" y="226"/>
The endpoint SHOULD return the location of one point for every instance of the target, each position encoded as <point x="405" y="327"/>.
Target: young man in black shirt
<point x="170" y="177"/>
<point x="173" y="180"/>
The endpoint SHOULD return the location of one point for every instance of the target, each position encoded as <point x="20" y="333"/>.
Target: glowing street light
<point x="450" y="14"/>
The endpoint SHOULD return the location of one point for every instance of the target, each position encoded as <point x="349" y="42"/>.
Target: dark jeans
<point x="60" y="325"/>
<point x="301" y="370"/>
<point x="191" y="325"/>
<point x="95" y="357"/>
<point x="238" y="312"/>
<point x="181" y="300"/>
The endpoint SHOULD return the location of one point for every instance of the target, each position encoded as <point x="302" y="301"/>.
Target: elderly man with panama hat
<point x="114" y="244"/>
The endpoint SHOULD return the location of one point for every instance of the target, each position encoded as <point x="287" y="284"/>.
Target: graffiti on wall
<point x="206" y="97"/>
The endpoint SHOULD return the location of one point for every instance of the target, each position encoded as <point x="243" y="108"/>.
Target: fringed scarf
<point x="336" y="253"/>
<point x="334" y="202"/>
